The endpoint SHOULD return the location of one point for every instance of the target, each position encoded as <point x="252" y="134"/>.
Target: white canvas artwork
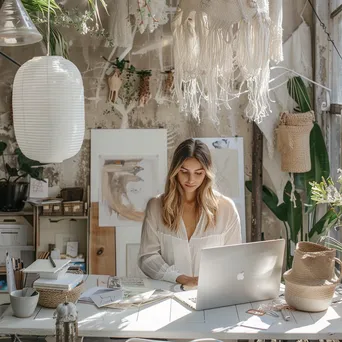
<point x="228" y="160"/>
<point x="126" y="185"/>
<point x="128" y="167"/>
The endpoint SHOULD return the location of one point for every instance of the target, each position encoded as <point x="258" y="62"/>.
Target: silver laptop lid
<point x="240" y="273"/>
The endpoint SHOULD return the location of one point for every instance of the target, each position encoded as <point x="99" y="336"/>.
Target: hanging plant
<point x="85" y="22"/>
<point x="144" y="87"/>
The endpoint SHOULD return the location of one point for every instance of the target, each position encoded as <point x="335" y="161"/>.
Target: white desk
<point x="170" y="319"/>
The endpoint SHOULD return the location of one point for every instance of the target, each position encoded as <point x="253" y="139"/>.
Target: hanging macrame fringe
<point x="215" y="60"/>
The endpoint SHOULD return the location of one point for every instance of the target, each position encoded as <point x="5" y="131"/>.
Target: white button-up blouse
<point x="166" y="254"/>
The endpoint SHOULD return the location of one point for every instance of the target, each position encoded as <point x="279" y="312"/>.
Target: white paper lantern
<point x="48" y="109"/>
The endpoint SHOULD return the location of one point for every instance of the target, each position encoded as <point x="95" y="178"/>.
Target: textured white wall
<point x="86" y="53"/>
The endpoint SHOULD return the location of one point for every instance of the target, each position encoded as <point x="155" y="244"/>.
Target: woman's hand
<point x="188" y="281"/>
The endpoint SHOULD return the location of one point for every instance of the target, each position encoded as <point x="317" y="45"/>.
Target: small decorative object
<point x="293" y="141"/>
<point x="165" y="90"/>
<point x="48" y="109"/>
<point x="53" y="209"/>
<point x="311" y="282"/>
<point x="39" y="188"/>
<point x="72" y="249"/>
<point x="74" y="208"/>
<point x="114" y="84"/>
<point x="72" y="194"/>
<point x="128" y="95"/>
<point x="144" y="87"/>
<point x="16" y="26"/>
<point x="66" y="322"/>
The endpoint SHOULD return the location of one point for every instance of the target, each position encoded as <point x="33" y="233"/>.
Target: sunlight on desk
<point x="96" y="317"/>
<point x="313" y="328"/>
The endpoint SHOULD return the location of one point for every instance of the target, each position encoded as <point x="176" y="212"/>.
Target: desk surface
<point x="172" y="320"/>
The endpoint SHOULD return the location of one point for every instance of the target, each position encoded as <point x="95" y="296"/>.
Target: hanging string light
<point x="48" y="107"/>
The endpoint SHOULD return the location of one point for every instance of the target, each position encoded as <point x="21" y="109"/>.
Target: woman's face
<point x="191" y="175"/>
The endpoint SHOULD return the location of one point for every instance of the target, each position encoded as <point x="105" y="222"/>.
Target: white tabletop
<point x="172" y="320"/>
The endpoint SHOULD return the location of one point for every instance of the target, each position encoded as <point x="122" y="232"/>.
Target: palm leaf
<point x="36" y="7"/>
<point x="271" y="200"/>
<point x="299" y="93"/>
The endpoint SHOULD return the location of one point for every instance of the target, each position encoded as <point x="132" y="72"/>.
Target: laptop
<point x="237" y="274"/>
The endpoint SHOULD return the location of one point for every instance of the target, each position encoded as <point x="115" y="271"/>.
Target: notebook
<point x="68" y="282"/>
<point x="41" y="265"/>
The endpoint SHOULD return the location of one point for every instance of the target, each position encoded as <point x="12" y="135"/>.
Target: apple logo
<point x="241" y="276"/>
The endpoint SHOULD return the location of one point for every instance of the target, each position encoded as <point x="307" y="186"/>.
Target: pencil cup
<point x="22" y="305"/>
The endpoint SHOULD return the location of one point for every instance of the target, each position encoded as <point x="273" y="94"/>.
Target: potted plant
<point x="14" y="186"/>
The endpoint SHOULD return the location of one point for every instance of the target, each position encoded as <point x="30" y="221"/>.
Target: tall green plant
<point x="292" y="213"/>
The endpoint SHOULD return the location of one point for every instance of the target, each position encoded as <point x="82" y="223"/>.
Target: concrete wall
<point x="86" y="53"/>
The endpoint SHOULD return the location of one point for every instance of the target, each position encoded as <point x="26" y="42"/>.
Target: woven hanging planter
<point x="293" y="141"/>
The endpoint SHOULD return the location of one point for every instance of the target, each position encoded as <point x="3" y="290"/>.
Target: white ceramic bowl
<point x="23" y="306"/>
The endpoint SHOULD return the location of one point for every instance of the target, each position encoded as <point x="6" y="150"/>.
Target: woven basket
<point x="308" y="298"/>
<point x="314" y="263"/>
<point x="294" y="147"/>
<point x="310" y="284"/>
<point x="51" y="298"/>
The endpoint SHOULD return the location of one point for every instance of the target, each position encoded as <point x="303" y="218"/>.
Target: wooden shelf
<point x="23" y="248"/>
<point x="65" y="217"/>
<point x="16" y="213"/>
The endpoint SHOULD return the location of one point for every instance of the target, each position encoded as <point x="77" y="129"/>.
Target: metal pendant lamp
<point x="16" y="26"/>
<point x="48" y="108"/>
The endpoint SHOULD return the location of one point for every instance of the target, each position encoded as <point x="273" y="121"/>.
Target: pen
<point x="52" y="262"/>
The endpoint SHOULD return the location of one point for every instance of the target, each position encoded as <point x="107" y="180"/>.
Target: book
<point x="43" y="265"/>
<point x="68" y="282"/>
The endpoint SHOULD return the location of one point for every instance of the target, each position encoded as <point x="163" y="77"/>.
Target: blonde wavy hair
<point x="172" y="200"/>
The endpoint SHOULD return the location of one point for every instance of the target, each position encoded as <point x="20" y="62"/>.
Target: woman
<point x="189" y="216"/>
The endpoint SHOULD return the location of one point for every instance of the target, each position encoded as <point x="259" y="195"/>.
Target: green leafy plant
<point x="292" y="213"/>
<point x="288" y="212"/>
<point x="26" y="167"/>
<point x="84" y="22"/>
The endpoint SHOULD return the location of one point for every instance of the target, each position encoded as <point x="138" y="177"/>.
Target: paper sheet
<point x="258" y="322"/>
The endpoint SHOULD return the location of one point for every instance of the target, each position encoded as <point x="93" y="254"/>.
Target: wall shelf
<point x="16" y="213"/>
<point x="22" y="248"/>
<point x="64" y="217"/>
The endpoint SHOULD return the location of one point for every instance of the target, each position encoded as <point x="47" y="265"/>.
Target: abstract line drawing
<point x="126" y="185"/>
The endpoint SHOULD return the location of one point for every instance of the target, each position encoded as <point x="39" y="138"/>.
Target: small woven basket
<point x="294" y="147"/>
<point x="51" y="298"/>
